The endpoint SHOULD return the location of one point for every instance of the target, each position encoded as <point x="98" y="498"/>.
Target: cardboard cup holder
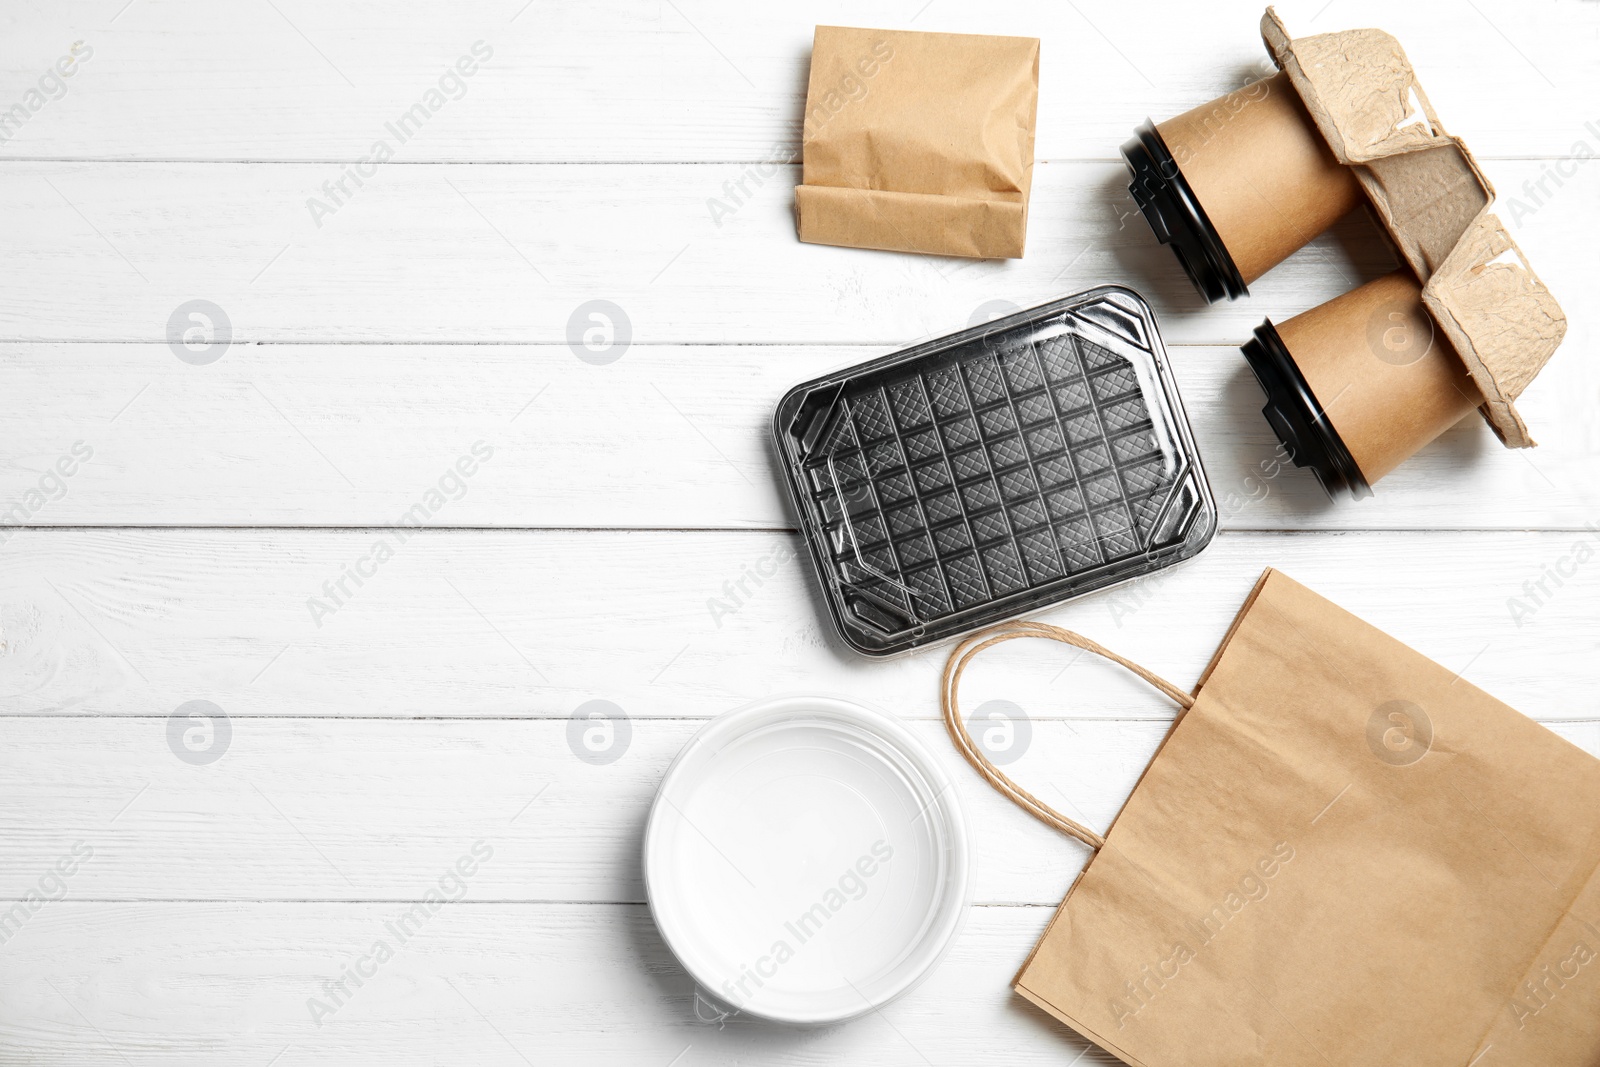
<point x="1360" y="383"/>
<point x="1237" y="185"/>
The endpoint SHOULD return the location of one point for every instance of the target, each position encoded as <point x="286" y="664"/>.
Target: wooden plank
<point x="343" y="809"/>
<point x="481" y="983"/>
<point x="340" y="809"/>
<point x="703" y="79"/>
<point x="353" y="435"/>
<point x="515" y="253"/>
<point x="478" y="624"/>
<point x="510" y="253"/>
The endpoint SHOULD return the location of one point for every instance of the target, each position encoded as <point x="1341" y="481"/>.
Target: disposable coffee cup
<point x="806" y="860"/>
<point x="1357" y="385"/>
<point x="1237" y="185"/>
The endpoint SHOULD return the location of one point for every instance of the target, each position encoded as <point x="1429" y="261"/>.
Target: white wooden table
<point x="362" y="746"/>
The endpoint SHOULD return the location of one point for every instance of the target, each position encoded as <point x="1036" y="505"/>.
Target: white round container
<point x="806" y="860"/>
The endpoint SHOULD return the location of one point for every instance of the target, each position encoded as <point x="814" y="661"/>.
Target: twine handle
<point x="957" y="664"/>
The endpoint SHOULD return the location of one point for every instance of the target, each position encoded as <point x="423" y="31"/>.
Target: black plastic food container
<point x="993" y="472"/>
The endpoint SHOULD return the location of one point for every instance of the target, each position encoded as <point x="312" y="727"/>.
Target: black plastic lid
<point x="1297" y="419"/>
<point x="1177" y="218"/>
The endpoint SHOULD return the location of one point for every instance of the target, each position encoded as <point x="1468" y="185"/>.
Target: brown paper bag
<point x="1342" y="854"/>
<point x="919" y="142"/>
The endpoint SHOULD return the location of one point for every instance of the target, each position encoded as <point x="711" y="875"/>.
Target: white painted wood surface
<point x="505" y="253"/>
<point x="352" y="435"/>
<point x="369" y="353"/>
<point x="703" y="80"/>
<point x="516" y="624"/>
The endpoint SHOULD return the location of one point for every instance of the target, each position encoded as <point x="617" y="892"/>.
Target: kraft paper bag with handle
<point x="919" y="142"/>
<point x="1342" y="854"/>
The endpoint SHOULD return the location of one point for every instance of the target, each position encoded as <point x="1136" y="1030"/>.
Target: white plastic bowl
<point x="806" y="860"/>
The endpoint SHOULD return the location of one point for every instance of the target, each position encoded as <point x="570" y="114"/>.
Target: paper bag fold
<point x="910" y="222"/>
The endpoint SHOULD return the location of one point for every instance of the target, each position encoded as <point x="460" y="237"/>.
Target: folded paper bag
<point x="1342" y="854"/>
<point x="919" y="142"/>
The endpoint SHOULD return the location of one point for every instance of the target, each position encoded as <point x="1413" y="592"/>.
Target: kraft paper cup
<point x="806" y="860"/>
<point x="1357" y="385"/>
<point x="1238" y="184"/>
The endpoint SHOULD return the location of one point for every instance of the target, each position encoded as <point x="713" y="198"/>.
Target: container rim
<point x="937" y="793"/>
